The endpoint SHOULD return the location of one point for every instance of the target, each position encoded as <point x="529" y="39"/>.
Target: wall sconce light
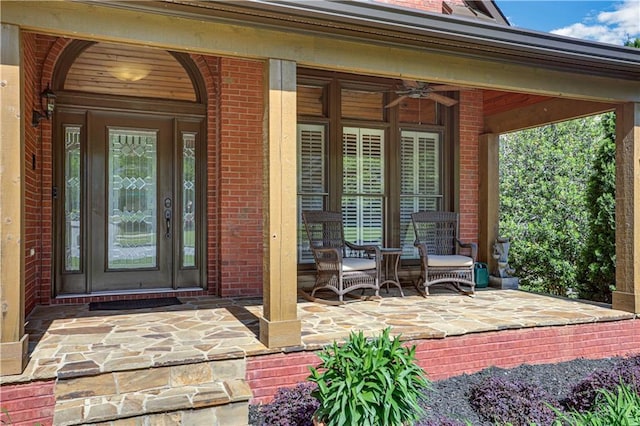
<point x="46" y="111"/>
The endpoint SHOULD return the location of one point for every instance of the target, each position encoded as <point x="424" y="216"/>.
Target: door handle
<point x="167" y="217"/>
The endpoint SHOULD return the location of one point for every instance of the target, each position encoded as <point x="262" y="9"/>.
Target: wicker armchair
<point x="439" y="247"/>
<point x="341" y="266"/>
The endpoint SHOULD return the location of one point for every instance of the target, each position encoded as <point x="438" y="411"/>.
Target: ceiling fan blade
<point x="441" y="99"/>
<point x="446" y="88"/>
<point x="396" y="101"/>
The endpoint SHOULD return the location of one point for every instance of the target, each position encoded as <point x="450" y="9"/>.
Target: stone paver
<point x="69" y="340"/>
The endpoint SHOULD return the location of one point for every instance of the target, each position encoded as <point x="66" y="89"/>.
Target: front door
<point x="130" y="197"/>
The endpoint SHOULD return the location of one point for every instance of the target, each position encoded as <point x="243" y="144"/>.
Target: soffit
<point x="131" y="71"/>
<point x="384" y="24"/>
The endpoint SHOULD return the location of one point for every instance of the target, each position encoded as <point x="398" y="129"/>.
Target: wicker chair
<point x="439" y="247"/>
<point x="341" y="266"/>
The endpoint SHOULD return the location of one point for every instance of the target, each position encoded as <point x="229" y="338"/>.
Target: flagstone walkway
<point x="69" y="340"/>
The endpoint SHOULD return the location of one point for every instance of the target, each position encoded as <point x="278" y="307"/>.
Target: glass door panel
<point x="188" y="243"/>
<point x="72" y="206"/>
<point x="132" y="203"/>
<point x="131" y="190"/>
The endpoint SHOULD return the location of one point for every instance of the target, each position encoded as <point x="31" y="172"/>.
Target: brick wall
<point x="265" y="374"/>
<point x="210" y="69"/>
<point x="471" y="122"/>
<point x="235" y="97"/>
<point x="48" y="52"/>
<point x="39" y="55"/>
<point x="32" y="198"/>
<point x="452" y="356"/>
<point x="27" y="404"/>
<point x="241" y="177"/>
<point x="545" y="345"/>
<point x="426" y="5"/>
<point x="235" y="126"/>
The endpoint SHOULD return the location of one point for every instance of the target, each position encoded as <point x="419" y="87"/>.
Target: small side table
<point x="390" y="262"/>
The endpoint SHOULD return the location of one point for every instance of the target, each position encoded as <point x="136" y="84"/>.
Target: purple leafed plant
<point x="291" y="406"/>
<point x="440" y="422"/>
<point x="583" y="395"/>
<point x="520" y="404"/>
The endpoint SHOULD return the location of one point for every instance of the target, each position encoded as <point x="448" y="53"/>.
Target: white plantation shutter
<point x="420" y="182"/>
<point x="363" y="184"/>
<point x="311" y="179"/>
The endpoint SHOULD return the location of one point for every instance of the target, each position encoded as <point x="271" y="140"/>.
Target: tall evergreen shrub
<point x="543" y="180"/>
<point x="596" y="272"/>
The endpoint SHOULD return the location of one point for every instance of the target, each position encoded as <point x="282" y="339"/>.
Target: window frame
<point x="333" y="84"/>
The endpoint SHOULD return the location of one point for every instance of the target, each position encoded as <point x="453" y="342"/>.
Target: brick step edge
<point x="104" y="408"/>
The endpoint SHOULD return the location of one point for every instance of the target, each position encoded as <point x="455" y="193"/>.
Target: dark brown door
<point x="136" y="221"/>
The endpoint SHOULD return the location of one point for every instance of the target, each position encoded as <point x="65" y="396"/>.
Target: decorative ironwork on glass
<point x="72" y="206"/>
<point x="188" y="199"/>
<point x="132" y="199"/>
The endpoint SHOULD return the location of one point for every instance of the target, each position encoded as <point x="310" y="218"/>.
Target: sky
<point x="611" y="22"/>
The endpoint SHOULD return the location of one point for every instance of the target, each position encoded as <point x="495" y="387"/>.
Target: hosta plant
<point x="372" y="382"/>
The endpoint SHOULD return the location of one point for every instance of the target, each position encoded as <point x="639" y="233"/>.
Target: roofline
<point x="495" y="10"/>
<point x="383" y="23"/>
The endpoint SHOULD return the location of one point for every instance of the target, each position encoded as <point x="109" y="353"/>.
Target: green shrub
<point x="619" y="408"/>
<point x="597" y="266"/>
<point x="543" y="180"/>
<point x="368" y="382"/>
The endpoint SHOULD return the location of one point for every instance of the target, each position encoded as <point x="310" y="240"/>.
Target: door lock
<point x="167" y="218"/>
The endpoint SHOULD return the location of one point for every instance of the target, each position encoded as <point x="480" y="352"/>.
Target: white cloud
<point x="609" y="27"/>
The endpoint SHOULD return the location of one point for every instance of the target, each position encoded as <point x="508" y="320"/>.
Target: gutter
<point x="385" y="24"/>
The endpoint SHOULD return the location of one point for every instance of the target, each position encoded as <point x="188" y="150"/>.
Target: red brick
<point x="443" y="358"/>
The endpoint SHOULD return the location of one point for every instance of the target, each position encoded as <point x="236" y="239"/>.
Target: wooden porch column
<point x="627" y="294"/>
<point x="489" y="209"/>
<point x="13" y="341"/>
<point x="279" y="325"/>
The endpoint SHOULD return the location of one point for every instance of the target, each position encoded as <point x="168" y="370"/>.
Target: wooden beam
<point x="218" y="37"/>
<point x="13" y="341"/>
<point x="280" y="325"/>
<point x="546" y="112"/>
<point x="489" y="196"/>
<point x="627" y="294"/>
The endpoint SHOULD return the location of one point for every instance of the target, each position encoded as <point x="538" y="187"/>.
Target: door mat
<point x="119" y="305"/>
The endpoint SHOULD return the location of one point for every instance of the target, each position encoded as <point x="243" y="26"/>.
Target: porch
<point x="204" y="360"/>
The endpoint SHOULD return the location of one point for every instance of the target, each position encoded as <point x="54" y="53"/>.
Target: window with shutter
<point x="312" y="189"/>
<point x="363" y="184"/>
<point x="420" y="181"/>
<point x="375" y="164"/>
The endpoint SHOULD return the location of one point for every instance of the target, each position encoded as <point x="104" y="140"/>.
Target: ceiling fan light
<point x="130" y="72"/>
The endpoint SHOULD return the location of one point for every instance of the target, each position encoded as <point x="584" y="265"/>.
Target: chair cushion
<point x="357" y="264"/>
<point x="449" y="260"/>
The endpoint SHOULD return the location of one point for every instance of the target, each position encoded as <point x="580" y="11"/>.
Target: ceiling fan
<point x="420" y="90"/>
